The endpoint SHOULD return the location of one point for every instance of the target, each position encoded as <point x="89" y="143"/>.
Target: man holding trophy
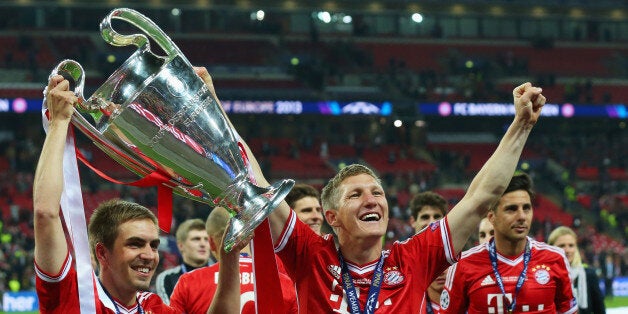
<point x="357" y="276"/>
<point x="156" y="117"/>
<point x="123" y="238"/>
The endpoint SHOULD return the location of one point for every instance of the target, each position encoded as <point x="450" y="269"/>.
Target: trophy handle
<point x="74" y="73"/>
<point x="139" y="40"/>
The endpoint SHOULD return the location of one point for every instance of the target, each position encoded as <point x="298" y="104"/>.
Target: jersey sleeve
<point x="453" y="298"/>
<point x="429" y="252"/>
<point x="289" y="293"/>
<point x="296" y="244"/>
<point x="179" y="296"/>
<point x="565" y="300"/>
<point x="152" y="303"/>
<point x="54" y="290"/>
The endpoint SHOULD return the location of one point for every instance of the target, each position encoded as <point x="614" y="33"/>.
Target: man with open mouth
<point x="357" y="276"/>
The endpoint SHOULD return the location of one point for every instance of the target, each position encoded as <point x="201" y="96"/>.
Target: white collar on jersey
<point x="106" y="300"/>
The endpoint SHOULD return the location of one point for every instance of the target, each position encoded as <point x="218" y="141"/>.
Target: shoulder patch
<point x="444" y="299"/>
<point x="434" y="225"/>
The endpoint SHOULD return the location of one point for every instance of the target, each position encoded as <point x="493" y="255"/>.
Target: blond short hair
<point x="330" y="195"/>
<point x="561" y="231"/>
<point x="187" y="226"/>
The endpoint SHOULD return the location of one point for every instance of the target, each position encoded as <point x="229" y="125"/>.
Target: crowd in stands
<point x="581" y="172"/>
<point x="419" y="69"/>
<point x="449" y="173"/>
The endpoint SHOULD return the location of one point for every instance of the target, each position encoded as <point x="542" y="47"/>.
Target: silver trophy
<point x="155" y="113"/>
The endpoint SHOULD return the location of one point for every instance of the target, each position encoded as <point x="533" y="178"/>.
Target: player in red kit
<point x="357" y="276"/>
<point x="425" y="208"/>
<point x="123" y="236"/>
<point x="512" y="273"/>
<point x="195" y="289"/>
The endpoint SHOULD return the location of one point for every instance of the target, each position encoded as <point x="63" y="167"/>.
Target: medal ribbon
<point x="269" y="296"/>
<point x="352" y="295"/>
<point x="522" y="277"/>
<point x="156" y="178"/>
<point x="428" y="306"/>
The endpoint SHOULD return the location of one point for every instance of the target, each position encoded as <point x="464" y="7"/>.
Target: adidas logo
<point x="487" y="281"/>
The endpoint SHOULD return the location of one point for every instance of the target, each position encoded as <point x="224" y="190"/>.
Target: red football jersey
<point x="195" y="289"/>
<point x="59" y="294"/>
<point x="471" y="286"/>
<point x="409" y="268"/>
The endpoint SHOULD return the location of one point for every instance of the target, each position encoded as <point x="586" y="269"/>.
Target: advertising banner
<point x="22" y="301"/>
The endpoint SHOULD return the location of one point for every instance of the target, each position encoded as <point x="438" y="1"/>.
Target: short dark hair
<point x="519" y="182"/>
<point x="108" y="216"/>
<point x="427" y="199"/>
<point x="300" y="191"/>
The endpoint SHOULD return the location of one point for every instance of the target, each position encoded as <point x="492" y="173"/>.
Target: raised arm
<point x="491" y="181"/>
<point x="280" y="215"/>
<point x="50" y="244"/>
<point x="226" y="300"/>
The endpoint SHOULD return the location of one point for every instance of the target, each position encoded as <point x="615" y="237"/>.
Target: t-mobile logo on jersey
<point x="499" y="306"/>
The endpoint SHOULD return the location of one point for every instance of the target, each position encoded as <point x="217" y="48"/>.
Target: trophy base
<point x="241" y="228"/>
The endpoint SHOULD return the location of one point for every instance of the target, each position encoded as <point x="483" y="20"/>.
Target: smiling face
<point x="568" y="243"/>
<point x="362" y="209"/>
<point x="195" y="248"/>
<point x="309" y="211"/>
<point x="512" y="217"/>
<point x="131" y="262"/>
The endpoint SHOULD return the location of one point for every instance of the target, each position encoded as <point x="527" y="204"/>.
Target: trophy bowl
<point x="155" y="114"/>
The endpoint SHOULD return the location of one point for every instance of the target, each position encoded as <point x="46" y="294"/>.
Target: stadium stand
<point x="579" y="165"/>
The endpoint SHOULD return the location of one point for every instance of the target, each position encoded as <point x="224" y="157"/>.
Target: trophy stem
<point x="258" y="204"/>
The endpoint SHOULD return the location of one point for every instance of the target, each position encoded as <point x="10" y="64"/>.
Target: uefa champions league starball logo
<point x="444" y="300"/>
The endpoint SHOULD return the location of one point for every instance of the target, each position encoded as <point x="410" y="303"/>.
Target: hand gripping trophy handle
<point x="155" y="113"/>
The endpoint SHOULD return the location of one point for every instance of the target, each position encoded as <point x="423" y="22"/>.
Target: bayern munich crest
<point x="542" y="276"/>
<point x="393" y="277"/>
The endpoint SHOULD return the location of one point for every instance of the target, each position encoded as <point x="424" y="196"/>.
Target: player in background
<point x="305" y="201"/>
<point x="193" y="244"/>
<point x="426" y="208"/>
<point x="195" y="290"/>
<point x="513" y="273"/>
<point x="485" y="231"/>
